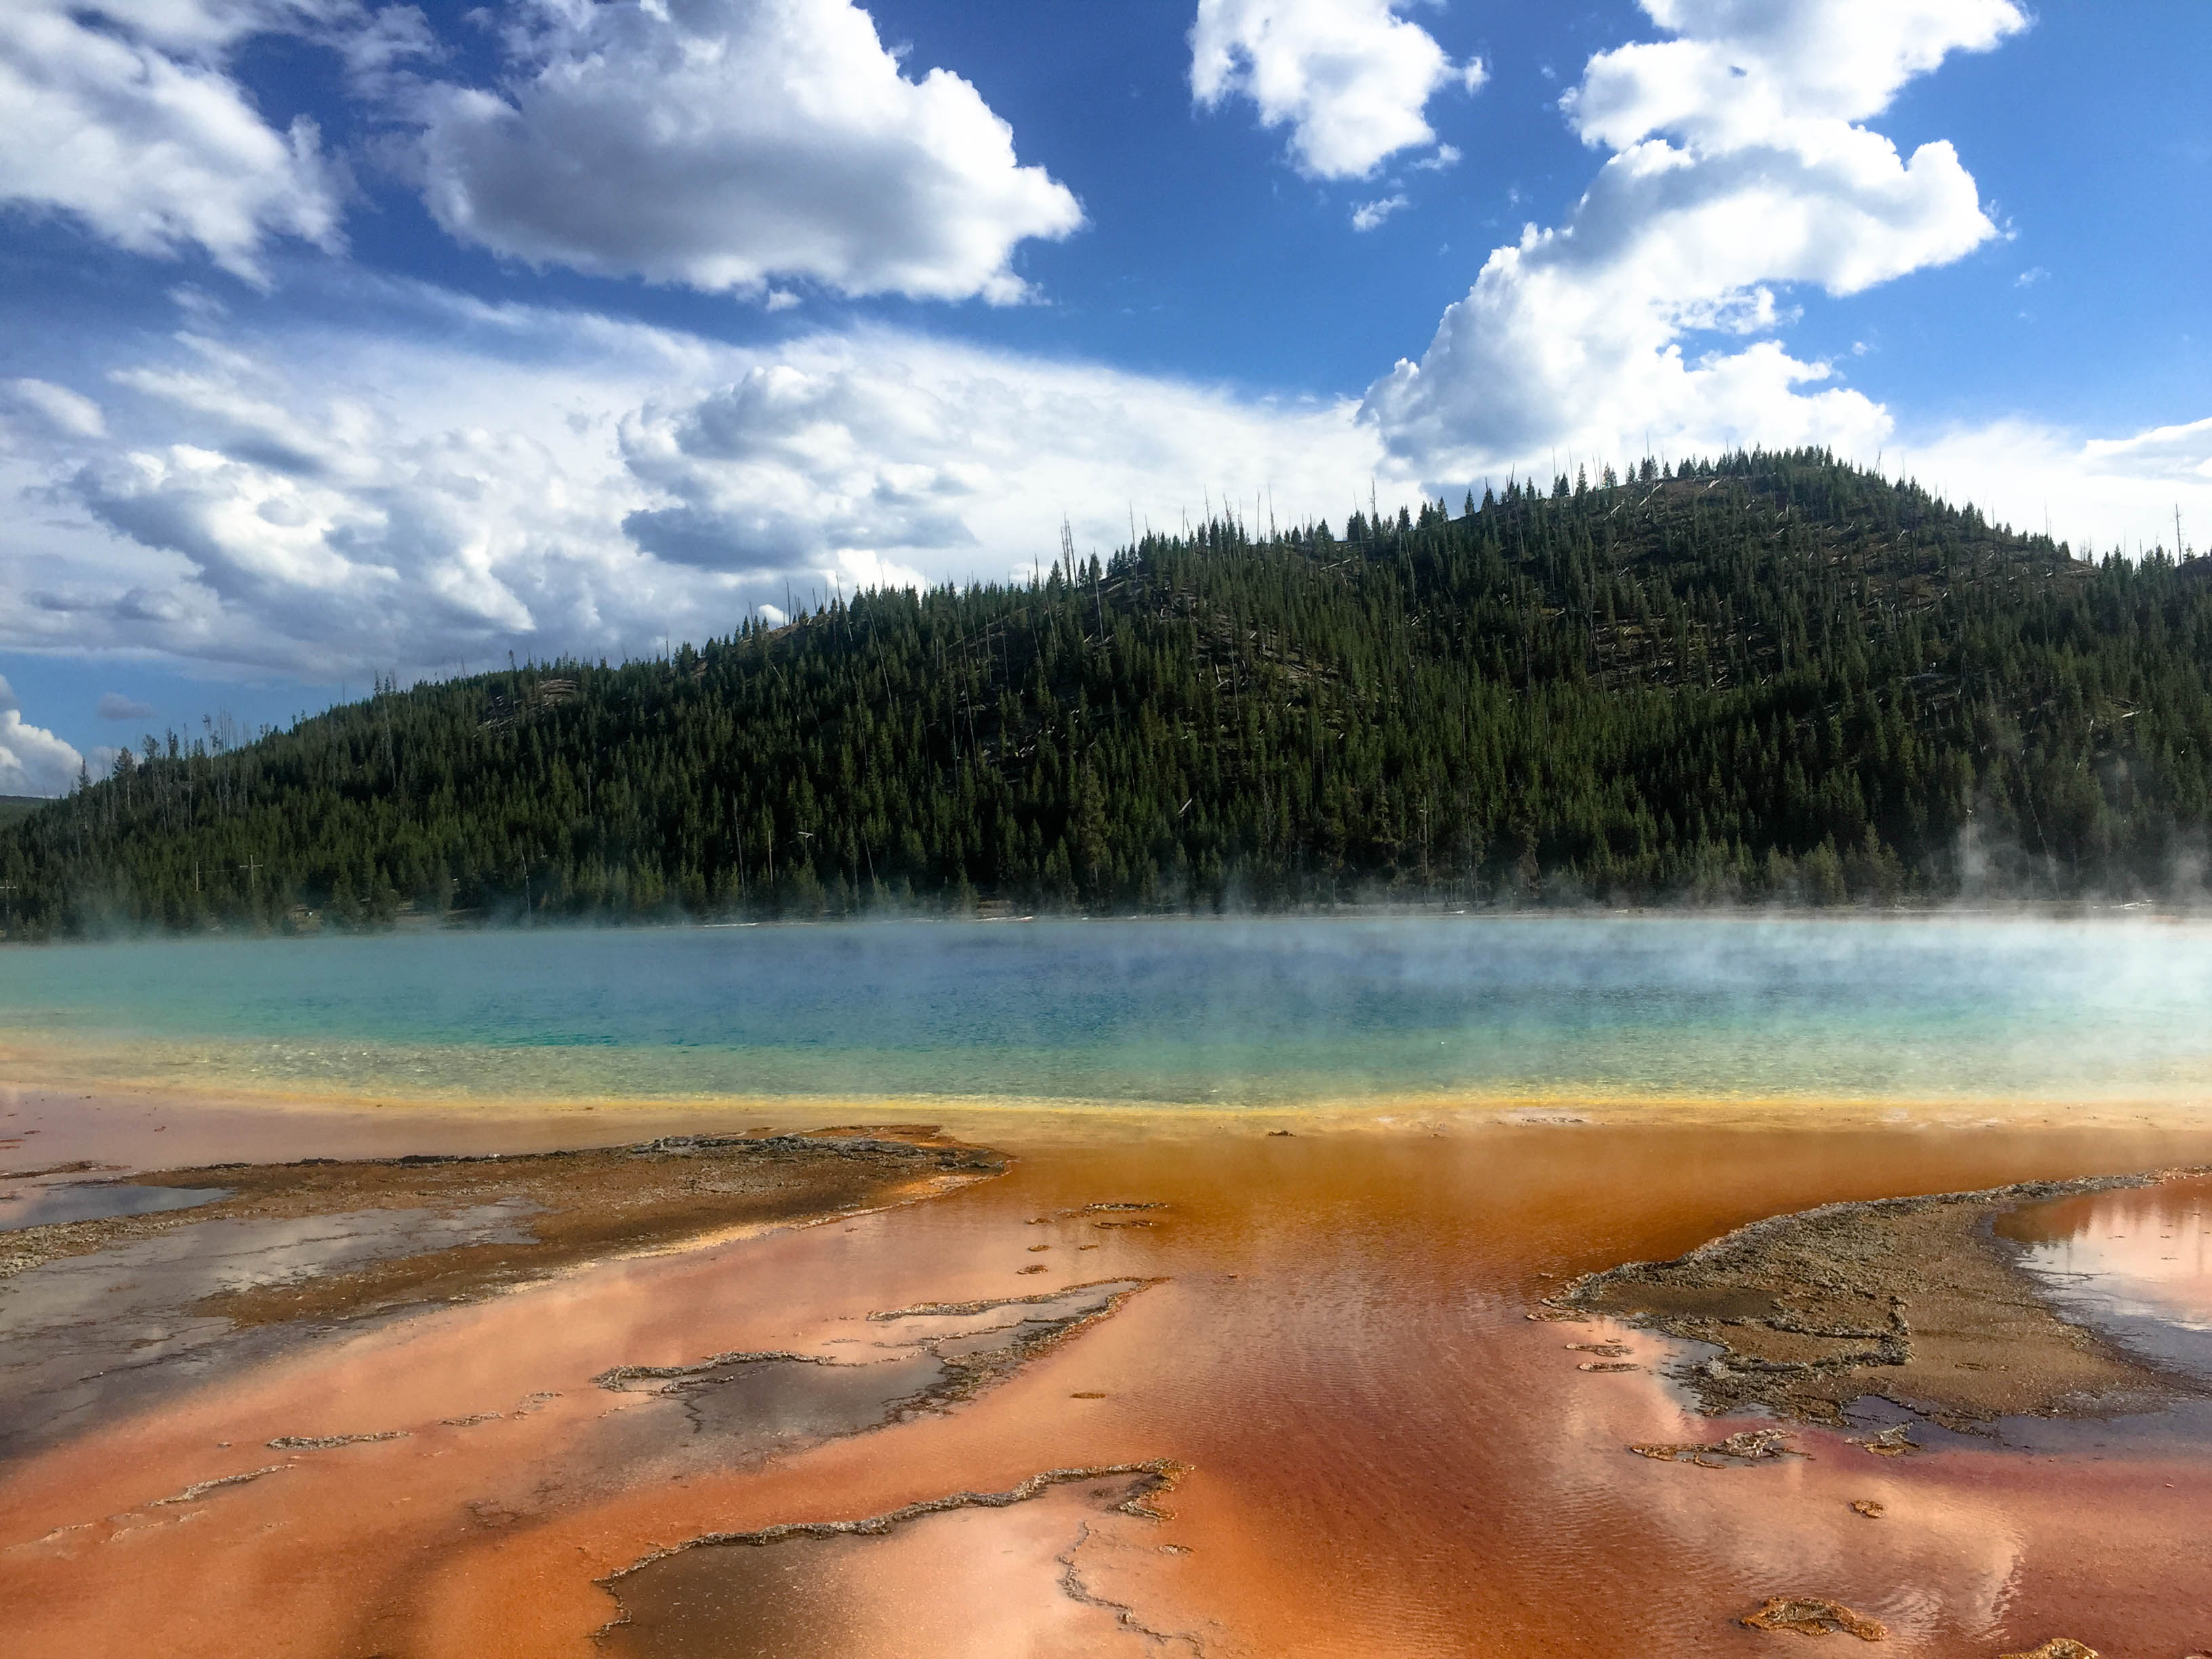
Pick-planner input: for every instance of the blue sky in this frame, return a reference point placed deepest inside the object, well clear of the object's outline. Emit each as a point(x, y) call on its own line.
point(339, 339)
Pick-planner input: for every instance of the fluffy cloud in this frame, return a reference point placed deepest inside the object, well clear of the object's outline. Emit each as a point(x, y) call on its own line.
point(850, 453)
point(2099, 494)
point(722, 143)
point(321, 503)
point(124, 115)
point(1738, 165)
point(450, 482)
point(32, 760)
point(719, 143)
point(1741, 71)
point(381, 508)
point(1350, 78)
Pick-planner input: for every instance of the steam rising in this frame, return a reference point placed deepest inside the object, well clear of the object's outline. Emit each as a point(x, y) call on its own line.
point(1445, 1011)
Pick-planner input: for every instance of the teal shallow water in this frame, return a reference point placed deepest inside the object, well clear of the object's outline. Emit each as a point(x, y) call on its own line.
point(1230, 1012)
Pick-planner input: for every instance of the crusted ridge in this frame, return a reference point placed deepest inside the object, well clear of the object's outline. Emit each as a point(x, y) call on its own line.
point(1160, 1475)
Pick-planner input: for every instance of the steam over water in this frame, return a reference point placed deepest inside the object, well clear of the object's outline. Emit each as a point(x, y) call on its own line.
point(1259, 1012)
point(1320, 1342)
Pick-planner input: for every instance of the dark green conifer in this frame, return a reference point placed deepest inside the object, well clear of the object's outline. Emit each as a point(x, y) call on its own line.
point(1762, 677)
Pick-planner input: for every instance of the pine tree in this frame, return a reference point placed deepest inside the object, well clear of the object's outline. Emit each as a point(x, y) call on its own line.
point(1760, 676)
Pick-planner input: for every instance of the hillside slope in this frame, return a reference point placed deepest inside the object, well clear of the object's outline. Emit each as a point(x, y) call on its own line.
point(1771, 676)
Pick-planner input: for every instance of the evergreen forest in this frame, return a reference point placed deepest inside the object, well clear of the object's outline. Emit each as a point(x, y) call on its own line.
point(1769, 678)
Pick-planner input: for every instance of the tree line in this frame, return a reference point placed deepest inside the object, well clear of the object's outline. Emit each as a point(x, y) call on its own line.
point(1764, 677)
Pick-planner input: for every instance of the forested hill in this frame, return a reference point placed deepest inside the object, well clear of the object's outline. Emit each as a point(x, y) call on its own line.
point(1767, 677)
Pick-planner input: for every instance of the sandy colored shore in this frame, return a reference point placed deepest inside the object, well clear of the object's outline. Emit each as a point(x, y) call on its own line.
point(1912, 1300)
point(48, 1118)
point(1166, 1386)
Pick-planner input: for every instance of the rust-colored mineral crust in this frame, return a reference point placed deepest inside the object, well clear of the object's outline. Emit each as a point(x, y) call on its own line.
point(1913, 1300)
point(1815, 1615)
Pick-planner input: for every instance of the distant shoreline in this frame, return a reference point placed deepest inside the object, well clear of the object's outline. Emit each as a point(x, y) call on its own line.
point(1987, 910)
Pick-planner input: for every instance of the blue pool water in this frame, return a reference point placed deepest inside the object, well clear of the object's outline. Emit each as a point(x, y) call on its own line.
point(1217, 1012)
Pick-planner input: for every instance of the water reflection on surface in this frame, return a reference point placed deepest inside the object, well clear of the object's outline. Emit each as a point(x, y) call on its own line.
point(33, 1205)
point(1387, 1456)
point(2135, 1263)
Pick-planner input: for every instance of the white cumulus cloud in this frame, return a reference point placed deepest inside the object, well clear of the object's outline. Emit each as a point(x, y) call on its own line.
point(124, 116)
point(441, 482)
point(383, 506)
point(33, 760)
point(1739, 165)
point(848, 452)
point(453, 482)
point(1741, 71)
point(724, 143)
point(1350, 78)
point(2101, 494)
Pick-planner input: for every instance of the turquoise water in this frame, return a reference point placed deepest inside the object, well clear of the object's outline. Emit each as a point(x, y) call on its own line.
point(1222, 1012)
